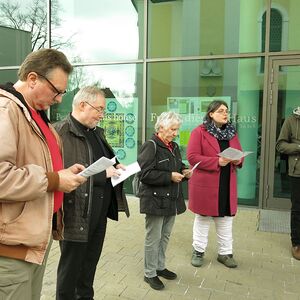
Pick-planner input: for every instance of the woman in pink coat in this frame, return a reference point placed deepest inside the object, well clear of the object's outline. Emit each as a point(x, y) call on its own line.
point(213, 186)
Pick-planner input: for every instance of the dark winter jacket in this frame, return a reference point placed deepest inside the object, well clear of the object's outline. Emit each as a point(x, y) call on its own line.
point(159, 195)
point(288, 143)
point(77, 204)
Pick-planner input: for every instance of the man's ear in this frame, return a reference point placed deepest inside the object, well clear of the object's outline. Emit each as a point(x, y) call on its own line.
point(81, 106)
point(32, 78)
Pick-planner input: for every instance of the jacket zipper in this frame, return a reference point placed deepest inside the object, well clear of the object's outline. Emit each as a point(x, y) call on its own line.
point(166, 159)
point(90, 183)
point(175, 168)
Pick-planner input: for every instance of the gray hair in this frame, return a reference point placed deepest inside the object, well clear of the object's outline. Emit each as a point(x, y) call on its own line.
point(167, 119)
point(88, 94)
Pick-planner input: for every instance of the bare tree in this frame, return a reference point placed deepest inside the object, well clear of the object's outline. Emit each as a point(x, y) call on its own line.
point(33, 18)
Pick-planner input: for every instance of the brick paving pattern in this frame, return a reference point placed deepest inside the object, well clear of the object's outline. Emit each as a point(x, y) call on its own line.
point(265, 269)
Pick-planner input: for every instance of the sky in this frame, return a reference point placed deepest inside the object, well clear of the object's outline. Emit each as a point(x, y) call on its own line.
point(103, 30)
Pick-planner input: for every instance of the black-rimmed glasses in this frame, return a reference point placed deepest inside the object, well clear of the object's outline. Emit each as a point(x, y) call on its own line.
point(100, 110)
point(58, 92)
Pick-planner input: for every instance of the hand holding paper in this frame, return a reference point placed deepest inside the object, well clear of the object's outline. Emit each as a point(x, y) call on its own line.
point(98, 166)
point(233, 154)
point(124, 174)
point(188, 174)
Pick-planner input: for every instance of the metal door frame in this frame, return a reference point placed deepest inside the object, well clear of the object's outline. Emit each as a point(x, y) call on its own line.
point(267, 172)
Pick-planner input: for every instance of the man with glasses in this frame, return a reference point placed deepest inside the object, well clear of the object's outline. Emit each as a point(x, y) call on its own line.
point(32, 178)
point(86, 210)
point(57, 92)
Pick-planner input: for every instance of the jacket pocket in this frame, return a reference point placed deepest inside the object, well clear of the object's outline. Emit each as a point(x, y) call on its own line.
point(11, 212)
point(161, 200)
point(163, 161)
point(23, 229)
point(294, 168)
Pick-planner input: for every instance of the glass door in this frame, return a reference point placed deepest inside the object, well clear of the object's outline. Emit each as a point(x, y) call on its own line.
point(284, 97)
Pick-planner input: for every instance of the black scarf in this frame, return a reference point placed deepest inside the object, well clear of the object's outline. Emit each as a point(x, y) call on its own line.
point(225, 133)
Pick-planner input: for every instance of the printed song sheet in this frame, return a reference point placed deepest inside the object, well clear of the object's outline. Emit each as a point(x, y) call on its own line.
point(98, 166)
point(234, 154)
point(130, 170)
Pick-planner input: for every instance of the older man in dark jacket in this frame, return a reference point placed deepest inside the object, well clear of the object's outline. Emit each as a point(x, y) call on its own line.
point(86, 210)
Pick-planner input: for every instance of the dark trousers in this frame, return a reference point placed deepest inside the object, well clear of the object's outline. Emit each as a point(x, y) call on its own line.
point(77, 265)
point(295, 211)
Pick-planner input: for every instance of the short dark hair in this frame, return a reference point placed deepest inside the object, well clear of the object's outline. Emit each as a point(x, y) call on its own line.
point(43, 61)
point(212, 107)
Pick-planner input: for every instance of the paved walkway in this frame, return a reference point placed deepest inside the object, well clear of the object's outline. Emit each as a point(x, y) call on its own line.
point(266, 269)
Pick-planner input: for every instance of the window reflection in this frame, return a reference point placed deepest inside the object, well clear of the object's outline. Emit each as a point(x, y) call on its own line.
point(23, 28)
point(122, 87)
point(184, 28)
point(102, 30)
point(189, 93)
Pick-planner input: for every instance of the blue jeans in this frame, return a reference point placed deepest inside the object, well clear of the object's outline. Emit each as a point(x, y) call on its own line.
point(295, 211)
point(158, 231)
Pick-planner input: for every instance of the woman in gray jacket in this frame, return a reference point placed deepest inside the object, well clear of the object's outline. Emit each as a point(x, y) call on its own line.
point(160, 194)
point(289, 143)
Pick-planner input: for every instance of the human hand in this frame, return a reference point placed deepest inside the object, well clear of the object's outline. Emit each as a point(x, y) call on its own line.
point(236, 162)
point(112, 172)
point(69, 180)
point(176, 177)
point(187, 173)
point(223, 161)
point(121, 166)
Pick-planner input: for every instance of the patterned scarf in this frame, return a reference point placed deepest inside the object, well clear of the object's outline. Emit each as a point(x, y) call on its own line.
point(226, 133)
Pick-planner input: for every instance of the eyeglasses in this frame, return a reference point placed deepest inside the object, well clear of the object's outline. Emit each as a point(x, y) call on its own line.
point(58, 92)
point(222, 111)
point(100, 110)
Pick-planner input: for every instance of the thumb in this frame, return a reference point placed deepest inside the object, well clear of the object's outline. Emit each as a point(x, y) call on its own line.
point(76, 168)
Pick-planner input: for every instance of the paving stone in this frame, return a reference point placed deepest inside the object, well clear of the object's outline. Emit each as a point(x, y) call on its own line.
point(265, 269)
point(161, 295)
point(134, 293)
point(198, 293)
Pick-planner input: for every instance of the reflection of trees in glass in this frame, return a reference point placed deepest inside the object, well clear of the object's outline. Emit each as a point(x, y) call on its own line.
point(32, 17)
point(80, 77)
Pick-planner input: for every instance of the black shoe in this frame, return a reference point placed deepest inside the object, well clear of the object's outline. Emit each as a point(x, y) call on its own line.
point(166, 274)
point(154, 282)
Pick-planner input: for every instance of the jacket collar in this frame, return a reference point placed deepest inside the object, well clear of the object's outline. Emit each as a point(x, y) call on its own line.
point(159, 142)
point(74, 128)
point(7, 90)
point(210, 139)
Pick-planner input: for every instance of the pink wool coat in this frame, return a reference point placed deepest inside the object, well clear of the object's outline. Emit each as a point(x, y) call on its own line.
point(204, 183)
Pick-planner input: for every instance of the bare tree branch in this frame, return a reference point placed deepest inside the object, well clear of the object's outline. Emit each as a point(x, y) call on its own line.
point(32, 18)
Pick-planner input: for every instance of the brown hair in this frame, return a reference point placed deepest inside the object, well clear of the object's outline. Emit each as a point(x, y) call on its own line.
point(212, 107)
point(43, 61)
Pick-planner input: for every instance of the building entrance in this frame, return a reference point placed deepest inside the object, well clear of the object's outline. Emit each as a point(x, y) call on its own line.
point(283, 98)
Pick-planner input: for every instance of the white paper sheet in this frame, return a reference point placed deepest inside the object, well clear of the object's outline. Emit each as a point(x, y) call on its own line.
point(234, 154)
point(98, 166)
point(130, 170)
point(194, 167)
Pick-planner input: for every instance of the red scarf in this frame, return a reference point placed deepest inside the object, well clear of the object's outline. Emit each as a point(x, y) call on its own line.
point(169, 145)
point(56, 157)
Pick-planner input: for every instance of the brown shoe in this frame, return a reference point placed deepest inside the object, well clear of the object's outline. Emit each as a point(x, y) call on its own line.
point(296, 252)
